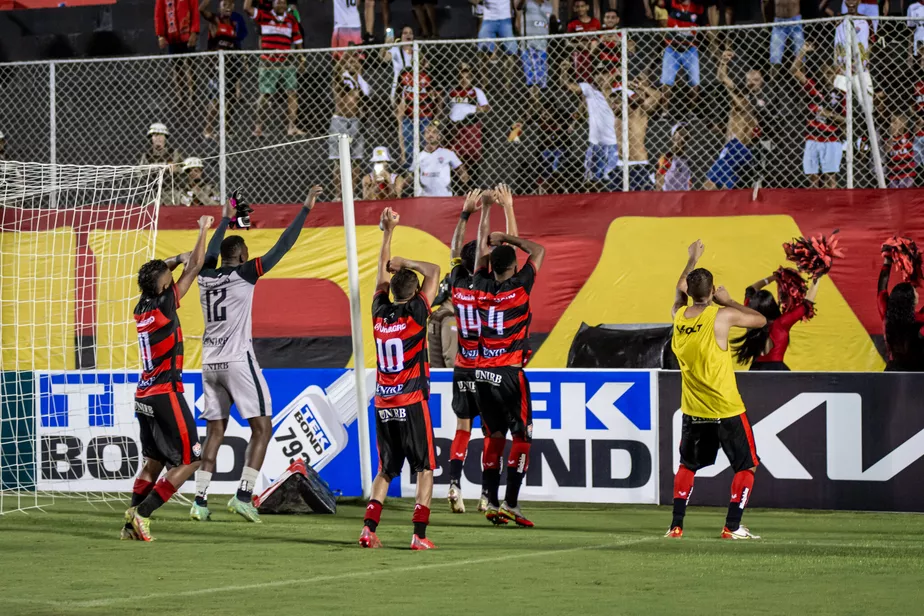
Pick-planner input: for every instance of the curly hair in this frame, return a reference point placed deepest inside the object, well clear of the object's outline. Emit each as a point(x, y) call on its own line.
point(468, 256)
point(751, 345)
point(231, 246)
point(148, 276)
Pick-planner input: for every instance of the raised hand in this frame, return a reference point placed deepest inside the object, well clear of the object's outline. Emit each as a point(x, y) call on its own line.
point(496, 239)
point(472, 201)
point(395, 265)
point(312, 197)
point(503, 195)
point(722, 297)
point(205, 222)
point(696, 250)
point(389, 219)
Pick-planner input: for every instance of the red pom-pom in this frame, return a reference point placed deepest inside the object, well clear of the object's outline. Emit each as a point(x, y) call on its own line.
point(904, 253)
point(791, 288)
point(814, 256)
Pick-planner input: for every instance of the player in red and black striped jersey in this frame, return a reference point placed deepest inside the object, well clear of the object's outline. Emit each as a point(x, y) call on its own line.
point(468, 325)
point(168, 429)
point(402, 384)
point(503, 391)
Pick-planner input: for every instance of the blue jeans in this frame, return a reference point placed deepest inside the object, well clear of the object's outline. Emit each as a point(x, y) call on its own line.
point(497, 28)
point(407, 131)
point(600, 161)
point(780, 34)
point(732, 161)
point(535, 66)
point(674, 60)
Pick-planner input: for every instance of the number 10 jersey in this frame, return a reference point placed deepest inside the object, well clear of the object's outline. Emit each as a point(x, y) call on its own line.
point(402, 366)
point(226, 295)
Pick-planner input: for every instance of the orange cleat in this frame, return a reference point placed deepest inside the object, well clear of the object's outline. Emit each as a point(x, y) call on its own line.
point(741, 533)
point(368, 539)
point(674, 533)
point(421, 544)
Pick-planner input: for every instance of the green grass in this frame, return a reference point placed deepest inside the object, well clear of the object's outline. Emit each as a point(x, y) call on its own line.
point(580, 559)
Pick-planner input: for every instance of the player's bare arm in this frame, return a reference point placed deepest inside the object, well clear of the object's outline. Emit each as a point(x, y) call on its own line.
point(504, 198)
point(738, 101)
point(695, 252)
point(388, 223)
point(196, 258)
point(214, 247)
point(535, 251)
point(175, 262)
point(288, 238)
point(429, 271)
point(483, 251)
point(472, 204)
point(737, 315)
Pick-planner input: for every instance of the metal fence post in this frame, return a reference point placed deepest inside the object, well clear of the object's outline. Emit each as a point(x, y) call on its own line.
point(849, 134)
point(624, 156)
point(52, 136)
point(222, 159)
point(416, 120)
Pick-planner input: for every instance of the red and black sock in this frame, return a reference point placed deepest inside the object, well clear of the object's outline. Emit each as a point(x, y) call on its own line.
point(373, 514)
point(742, 485)
point(683, 489)
point(490, 462)
point(457, 455)
point(517, 465)
point(421, 519)
point(161, 493)
point(140, 491)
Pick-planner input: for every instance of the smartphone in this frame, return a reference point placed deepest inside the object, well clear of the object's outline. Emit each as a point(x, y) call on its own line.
point(389, 33)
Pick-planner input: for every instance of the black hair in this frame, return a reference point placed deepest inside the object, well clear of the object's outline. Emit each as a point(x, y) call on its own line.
point(901, 327)
point(611, 10)
point(503, 258)
point(751, 345)
point(699, 284)
point(468, 256)
point(404, 285)
point(148, 276)
point(231, 246)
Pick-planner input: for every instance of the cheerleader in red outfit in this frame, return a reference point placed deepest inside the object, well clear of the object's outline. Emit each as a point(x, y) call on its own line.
point(765, 348)
point(902, 324)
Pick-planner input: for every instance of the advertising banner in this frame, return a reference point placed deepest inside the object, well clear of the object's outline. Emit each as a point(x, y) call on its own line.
point(826, 441)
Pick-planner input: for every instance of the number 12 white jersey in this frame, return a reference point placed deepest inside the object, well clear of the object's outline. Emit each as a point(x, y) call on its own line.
point(226, 295)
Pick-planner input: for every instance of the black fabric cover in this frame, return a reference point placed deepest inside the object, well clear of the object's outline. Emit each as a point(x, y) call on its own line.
point(622, 346)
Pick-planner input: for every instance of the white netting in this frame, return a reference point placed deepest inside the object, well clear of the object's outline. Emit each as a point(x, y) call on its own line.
point(71, 241)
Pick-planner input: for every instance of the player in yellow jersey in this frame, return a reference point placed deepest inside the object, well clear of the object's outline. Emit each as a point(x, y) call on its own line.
point(713, 413)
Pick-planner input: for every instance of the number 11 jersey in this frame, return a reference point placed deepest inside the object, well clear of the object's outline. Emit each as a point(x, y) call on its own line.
point(402, 366)
point(226, 294)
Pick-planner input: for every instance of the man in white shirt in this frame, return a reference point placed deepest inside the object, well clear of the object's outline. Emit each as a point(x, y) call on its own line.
point(602, 156)
point(401, 56)
point(347, 26)
point(436, 166)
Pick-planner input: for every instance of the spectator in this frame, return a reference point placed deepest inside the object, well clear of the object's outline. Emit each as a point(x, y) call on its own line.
point(917, 109)
point(902, 168)
point(196, 190)
point(425, 12)
point(674, 167)
point(660, 13)
point(609, 45)
point(348, 88)
point(827, 117)
point(581, 46)
point(786, 12)
point(867, 8)
point(348, 29)
point(158, 153)
point(536, 17)
point(176, 23)
point(467, 104)
point(369, 7)
point(642, 102)
point(436, 165)
point(400, 56)
point(478, 14)
point(404, 109)
point(227, 30)
point(841, 40)
point(602, 155)
point(382, 183)
point(497, 23)
point(743, 126)
point(279, 30)
point(550, 127)
point(442, 336)
point(680, 50)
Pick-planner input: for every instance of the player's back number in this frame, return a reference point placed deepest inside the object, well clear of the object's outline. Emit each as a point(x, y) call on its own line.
point(214, 311)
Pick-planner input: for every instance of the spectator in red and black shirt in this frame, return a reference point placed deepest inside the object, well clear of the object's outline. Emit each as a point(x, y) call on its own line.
point(902, 323)
point(279, 30)
point(680, 49)
point(176, 23)
point(582, 56)
point(503, 391)
point(902, 168)
point(402, 390)
point(608, 47)
point(227, 30)
point(168, 429)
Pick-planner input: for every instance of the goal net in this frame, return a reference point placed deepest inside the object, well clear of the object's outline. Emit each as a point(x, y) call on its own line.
point(71, 241)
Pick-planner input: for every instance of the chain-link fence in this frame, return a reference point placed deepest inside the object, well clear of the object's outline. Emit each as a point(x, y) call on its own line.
point(701, 109)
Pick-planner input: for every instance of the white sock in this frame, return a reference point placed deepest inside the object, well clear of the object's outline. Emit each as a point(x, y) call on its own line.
point(203, 479)
point(248, 479)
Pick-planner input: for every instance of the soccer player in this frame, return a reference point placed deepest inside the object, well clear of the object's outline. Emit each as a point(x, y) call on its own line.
point(713, 412)
point(230, 373)
point(402, 415)
point(468, 327)
point(168, 429)
point(502, 388)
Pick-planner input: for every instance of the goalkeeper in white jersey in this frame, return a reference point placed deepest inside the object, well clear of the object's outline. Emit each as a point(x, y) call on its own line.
point(230, 373)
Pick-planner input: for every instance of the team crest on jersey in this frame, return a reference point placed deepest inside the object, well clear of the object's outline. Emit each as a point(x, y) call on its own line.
point(197, 450)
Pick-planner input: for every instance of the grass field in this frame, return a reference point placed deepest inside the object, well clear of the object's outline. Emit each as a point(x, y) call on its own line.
point(580, 559)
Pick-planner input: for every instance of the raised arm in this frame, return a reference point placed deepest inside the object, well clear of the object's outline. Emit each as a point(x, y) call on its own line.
point(566, 80)
point(535, 251)
point(737, 314)
point(797, 69)
point(287, 240)
point(196, 258)
point(248, 7)
point(429, 271)
point(722, 75)
point(812, 291)
point(505, 199)
point(180, 259)
point(695, 251)
point(472, 204)
point(483, 251)
point(214, 249)
point(388, 223)
point(760, 284)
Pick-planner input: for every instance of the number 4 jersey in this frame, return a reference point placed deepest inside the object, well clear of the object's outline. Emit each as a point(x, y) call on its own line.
point(504, 313)
point(403, 368)
point(226, 294)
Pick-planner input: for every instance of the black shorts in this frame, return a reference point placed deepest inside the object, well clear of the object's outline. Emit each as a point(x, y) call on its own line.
point(700, 439)
point(404, 433)
point(422, 2)
point(504, 401)
point(168, 429)
point(464, 394)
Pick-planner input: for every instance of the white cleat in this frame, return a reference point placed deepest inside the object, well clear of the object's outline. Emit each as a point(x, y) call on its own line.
point(741, 533)
point(456, 504)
